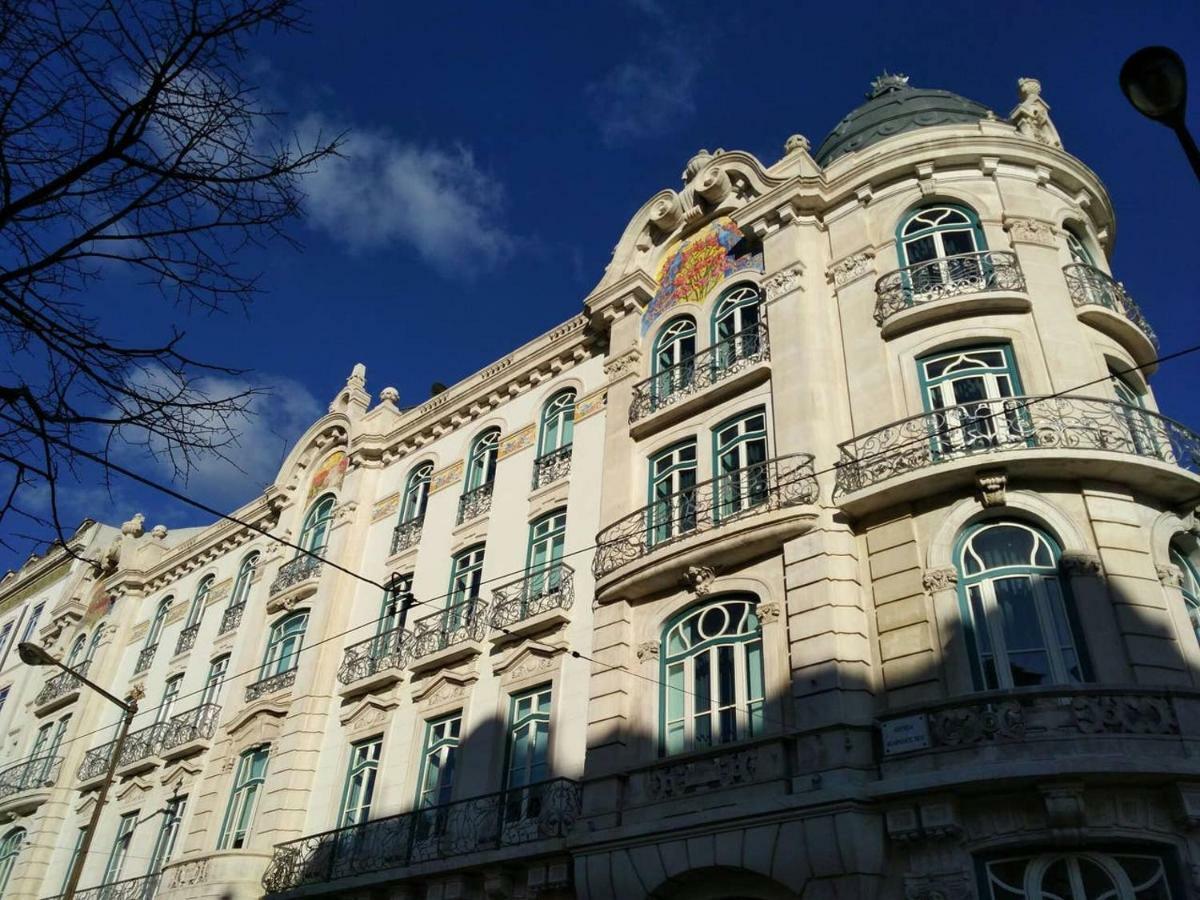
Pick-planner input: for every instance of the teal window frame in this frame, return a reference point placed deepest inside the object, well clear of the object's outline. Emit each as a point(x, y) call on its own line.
point(1189, 584)
point(416, 493)
point(77, 647)
point(389, 607)
point(171, 691)
point(435, 781)
point(93, 644)
point(314, 531)
point(544, 553)
point(937, 231)
point(481, 461)
point(4, 633)
point(215, 679)
point(31, 625)
point(671, 492)
point(241, 585)
point(196, 610)
point(119, 851)
point(10, 849)
point(527, 762)
point(466, 577)
point(1143, 435)
point(735, 319)
point(362, 773)
point(711, 675)
point(248, 781)
point(154, 632)
point(168, 833)
point(740, 439)
point(1077, 246)
point(557, 422)
point(284, 643)
point(1054, 615)
point(673, 361)
point(995, 420)
point(79, 833)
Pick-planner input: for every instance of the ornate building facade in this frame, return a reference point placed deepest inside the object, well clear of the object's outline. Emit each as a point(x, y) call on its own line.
point(837, 549)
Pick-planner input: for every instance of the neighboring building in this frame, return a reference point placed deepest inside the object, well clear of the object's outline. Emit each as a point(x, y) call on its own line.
point(836, 550)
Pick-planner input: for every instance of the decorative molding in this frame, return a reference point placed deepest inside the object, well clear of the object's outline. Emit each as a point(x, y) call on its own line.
point(648, 650)
point(452, 474)
point(993, 485)
point(1124, 714)
point(590, 405)
point(529, 665)
point(935, 580)
point(175, 613)
point(1169, 575)
point(699, 579)
point(783, 282)
point(714, 773)
point(1031, 231)
point(187, 873)
point(445, 687)
point(1080, 565)
point(851, 268)
point(517, 441)
point(1032, 115)
point(622, 366)
point(368, 714)
point(344, 512)
point(768, 611)
point(385, 508)
point(219, 592)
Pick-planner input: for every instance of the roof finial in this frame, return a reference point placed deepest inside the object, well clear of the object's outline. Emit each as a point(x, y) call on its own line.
point(886, 83)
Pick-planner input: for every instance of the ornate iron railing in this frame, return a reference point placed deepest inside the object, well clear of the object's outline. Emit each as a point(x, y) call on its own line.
point(231, 618)
point(193, 724)
point(275, 682)
point(144, 659)
point(388, 650)
point(944, 277)
point(41, 771)
point(772, 484)
point(463, 621)
point(1013, 424)
point(550, 588)
point(1088, 286)
point(187, 639)
point(550, 467)
point(198, 723)
point(62, 683)
point(143, 888)
point(724, 359)
point(300, 569)
point(474, 503)
point(509, 818)
point(406, 534)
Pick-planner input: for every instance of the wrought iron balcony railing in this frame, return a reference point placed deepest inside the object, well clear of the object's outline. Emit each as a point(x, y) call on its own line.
point(143, 888)
point(550, 588)
point(193, 724)
point(772, 484)
point(407, 534)
point(231, 618)
point(276, 682)
point(725, 359)
point(463, 621)
point(945, 277)
point(187, 638)
point(1013, 424)
point(62, 683)
point(388, 650)
point(302, 568)
point(510, 818)
point(198, 723)
point(474, 503)
point(41, 771)
point(144, 659)
point(1088, 286)
point(550, 467)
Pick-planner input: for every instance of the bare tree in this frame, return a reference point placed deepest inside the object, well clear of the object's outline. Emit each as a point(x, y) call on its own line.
point(130, 136)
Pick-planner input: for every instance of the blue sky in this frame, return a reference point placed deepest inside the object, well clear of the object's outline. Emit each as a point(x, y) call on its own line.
point(497, 151)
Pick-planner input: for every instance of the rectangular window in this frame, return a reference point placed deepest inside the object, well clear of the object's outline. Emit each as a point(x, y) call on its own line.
point(465, 579)
point(4, 633)
point(168, 831)
point(31, 625)
point(742, 480)
point(528, 755)
point(544, 558)
point(247, 783)
point(672, 510)
point(170, 695)
point(74, 856)
point(215, 679)
point(120, 848)
point(359, 791)
point(436, 785)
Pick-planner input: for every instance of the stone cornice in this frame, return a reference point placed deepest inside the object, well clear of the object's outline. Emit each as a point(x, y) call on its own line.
point(613, 301)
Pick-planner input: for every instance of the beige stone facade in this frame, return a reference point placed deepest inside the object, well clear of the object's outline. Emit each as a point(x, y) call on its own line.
point(837, 549)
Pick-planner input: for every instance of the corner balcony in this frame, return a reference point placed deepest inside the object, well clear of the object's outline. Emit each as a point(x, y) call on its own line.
point(375, 663)
point(449, 635)
point(734, 517)
point(60, 690)
point(474, 503)
point(537, 602)
point(183, 734)
point(1050, 437)
point(724, 370)
point(296, 579)
point(507, 826)
point(406, 534)
point(1103, 303)
point(27, 785)
point(551, 467)
point(950, 287)
point(269, 685)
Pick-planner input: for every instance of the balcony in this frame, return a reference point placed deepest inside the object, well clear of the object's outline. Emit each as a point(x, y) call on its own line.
point(144, 659)
point(948, 287)
point(26, 786)
point(540, 813)
point(231, 618)
point(551, 467)
point(187, 639)
point(180, 735)
point(535, 602)
point(742, 512)
point(731, 365)
point(450, 634)
point(1043, 433)
point(143, 888)
point(188, 732)
point(1103, 303)
point(406, 534)
point(474, 503)
point(269, 685)
point(60, 690)
point(375, 662)
point(300, 573)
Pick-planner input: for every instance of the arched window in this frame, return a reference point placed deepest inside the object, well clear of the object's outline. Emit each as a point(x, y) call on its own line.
point(94, 644)
point(10, 848)
point(245, 575)
point(735, 332)
point(674, 358)
point(1020, 623)
point(1077, 246)
point(481, 463)
point(416, 493)
point(1142, 431)
point(1078, 876)
point(196, 610)
point(937, 244)
point(247, 783)
point(284, 644)
point(969, 392)
point(314, 533)
point(1189, 584)
point(713, 667)
point(156, 625)
point(76, 656)
point(558, 422)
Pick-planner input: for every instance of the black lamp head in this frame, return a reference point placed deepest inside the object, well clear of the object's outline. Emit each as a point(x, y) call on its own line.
point(1155, 82)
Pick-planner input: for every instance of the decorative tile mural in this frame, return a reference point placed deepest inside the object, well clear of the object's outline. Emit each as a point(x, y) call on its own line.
point(590, 405)
point(329, 476)
point(517, 441)
point(694, 266)
point(446, 477)
point(385, 507)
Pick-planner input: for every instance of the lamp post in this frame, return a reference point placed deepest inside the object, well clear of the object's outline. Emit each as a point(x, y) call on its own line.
point(1154, 80)
point(33, 655)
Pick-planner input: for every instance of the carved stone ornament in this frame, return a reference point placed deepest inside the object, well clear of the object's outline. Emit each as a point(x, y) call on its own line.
point(992, 484)
point(852, 268)
point(797, 143)
point(702, 775)
point(783, 282)
point(134, 527)
point(699, 579)
point(1081, 564)
point(768, 611)
point(1032, 114)
point(188, 874)
point(1064, 805)
point(1170, 575)
point(648, 650)
point(939, 579)
point(622, 365)
point(1032, 231)
point(1124, 714)
point(939, 886)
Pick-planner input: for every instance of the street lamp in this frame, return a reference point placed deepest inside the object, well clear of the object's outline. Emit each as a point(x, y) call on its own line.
point(33, 655)
point(1155, 81)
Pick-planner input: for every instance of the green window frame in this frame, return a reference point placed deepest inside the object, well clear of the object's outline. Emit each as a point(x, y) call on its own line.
point(527, 753)
point(120, 847)
point(740, 462)
point(970, 394)
point(390, 606)
point(557, 423)
point(168, 832)
point(435, 784)
point(314, 532)
point(673, 365)
point(215, 679)
point(79, 833)
point(93, 644)
point(543, 557)
point(245, 575)
point(154, 633)
point(32, 624)
point(938, 231)
point(247, 784)
point(77, 650)
point(466, 577)
point(196, 610)
point(1018, 614)
point(284, 643)
point(1189, 584)
point(416, 493)
point(735, 321)
point(10, 849)
point(712, 681)
point(481, 461)
point(1077, 246)
point(671, 507)
point(170, 695)
point(361, 773)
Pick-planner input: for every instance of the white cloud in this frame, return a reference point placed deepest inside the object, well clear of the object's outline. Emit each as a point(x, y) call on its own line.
point(639, 100)
point(384, 190)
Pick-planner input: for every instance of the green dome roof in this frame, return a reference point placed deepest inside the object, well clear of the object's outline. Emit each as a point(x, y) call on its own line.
point(894, 107)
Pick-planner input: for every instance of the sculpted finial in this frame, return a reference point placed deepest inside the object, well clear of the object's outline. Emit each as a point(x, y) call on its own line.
point(885, 84)
point(1032, 114)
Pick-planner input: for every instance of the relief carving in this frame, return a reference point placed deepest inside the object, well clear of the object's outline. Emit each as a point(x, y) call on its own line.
point(992, 484)
point(783, 282)
point(768, 611)
point(1170, 575)
point(1032, 231)
point(1080, 564)
point(718, 772)
point(1127, 714)
point(939, 579)
point(622, 365)
point(851, 268)
point(968, 725)
point(699, 579)
point(648, 650)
